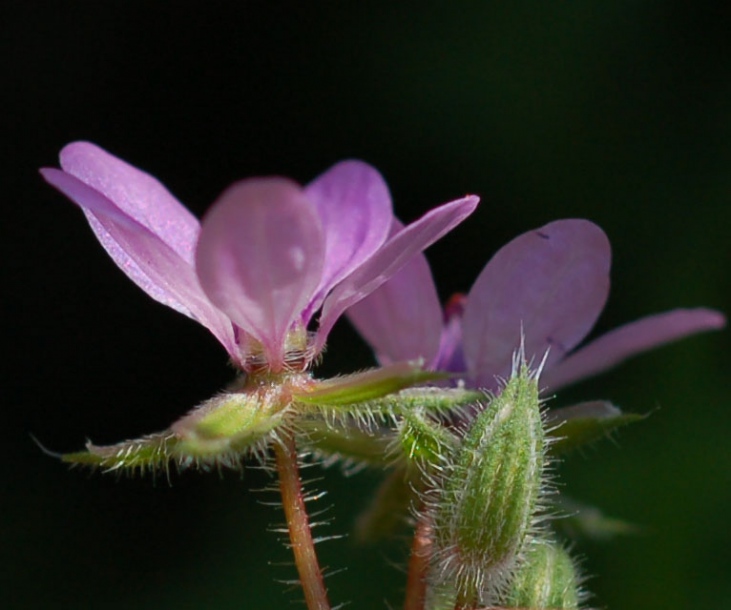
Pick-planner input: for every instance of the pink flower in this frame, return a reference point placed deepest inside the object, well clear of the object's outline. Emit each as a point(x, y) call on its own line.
point(268, 255)
point(551, 284)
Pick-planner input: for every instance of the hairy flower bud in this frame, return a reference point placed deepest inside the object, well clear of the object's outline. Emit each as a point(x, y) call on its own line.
point(490, 492)
point(546, 578)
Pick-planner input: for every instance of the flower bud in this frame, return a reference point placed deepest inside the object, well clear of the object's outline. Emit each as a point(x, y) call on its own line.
point(490, 491)
point(546, 578)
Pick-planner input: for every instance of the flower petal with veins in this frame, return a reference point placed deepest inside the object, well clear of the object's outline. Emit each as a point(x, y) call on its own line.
point(549, 285)
point(355, 209)
point(146, 259)
point(394, 254)
point(135, 193)
point(402, 318)
point(260, 257)
point(615, 346)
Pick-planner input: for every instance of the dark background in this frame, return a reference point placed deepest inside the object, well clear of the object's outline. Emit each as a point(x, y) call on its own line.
point(619, 112)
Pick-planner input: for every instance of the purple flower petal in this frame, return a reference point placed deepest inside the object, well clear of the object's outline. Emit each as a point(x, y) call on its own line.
point(394, 254)
point(146, 259)
point(451, 351)
point(260, 258)
point(550, 284)
point(137, 194)
point(355, 209)
point(402, 319)
point(628, 340)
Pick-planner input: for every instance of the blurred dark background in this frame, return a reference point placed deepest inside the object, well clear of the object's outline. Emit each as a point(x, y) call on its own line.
point(619, 112)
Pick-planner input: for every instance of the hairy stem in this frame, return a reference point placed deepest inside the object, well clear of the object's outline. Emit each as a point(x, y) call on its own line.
point(419, 565)
point(298, 523)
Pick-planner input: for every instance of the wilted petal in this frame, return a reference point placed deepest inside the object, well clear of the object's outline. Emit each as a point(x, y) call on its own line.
point(355, 210)
point(394, 254)
point(628, 340)
point(135, 193)
point(550, 284)
point(402, 319)
point(260, 257)
point(146, 259)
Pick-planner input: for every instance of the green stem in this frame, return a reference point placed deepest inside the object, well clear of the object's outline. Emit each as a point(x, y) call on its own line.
point(298, 523)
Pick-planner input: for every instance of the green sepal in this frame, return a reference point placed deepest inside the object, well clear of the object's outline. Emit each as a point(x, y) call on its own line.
point(441, 595)
point(424, 440)
point(388, 509)
point(546, 578)
point(588, 522)
point(226, 424)
point(441, 402)
point(220, 431)
point(366, 386)
point(150, 453)
point(351, 443)
point(586, 422)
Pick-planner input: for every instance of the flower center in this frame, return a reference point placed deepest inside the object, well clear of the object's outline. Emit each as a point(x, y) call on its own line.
point(299, 352)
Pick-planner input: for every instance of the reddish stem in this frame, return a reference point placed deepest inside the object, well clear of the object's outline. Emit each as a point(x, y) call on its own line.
point(298, 523)
point(419, 565)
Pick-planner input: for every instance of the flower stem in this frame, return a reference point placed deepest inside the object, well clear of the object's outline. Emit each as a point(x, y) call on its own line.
point(300, 534)
point(418, 565)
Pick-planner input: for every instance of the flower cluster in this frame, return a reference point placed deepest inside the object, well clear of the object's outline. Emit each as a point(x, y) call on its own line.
point(271, 268)
point(268, 255)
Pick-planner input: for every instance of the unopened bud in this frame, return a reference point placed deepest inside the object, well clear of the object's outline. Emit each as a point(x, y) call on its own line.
point(491, 491)
point(546, 578)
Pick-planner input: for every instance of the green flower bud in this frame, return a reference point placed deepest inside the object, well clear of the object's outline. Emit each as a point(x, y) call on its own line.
point(546, 578)
point(490, 491)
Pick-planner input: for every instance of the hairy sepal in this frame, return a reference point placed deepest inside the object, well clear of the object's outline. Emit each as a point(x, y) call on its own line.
point(220, 432)
point(442, 403)
point(229, 423)
point(423, 441)
point(388, 431)
point(147, 454)
point(441, 595)
point(584, 423)
point(347, 442)
point(546, 577)
point(366, 386)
